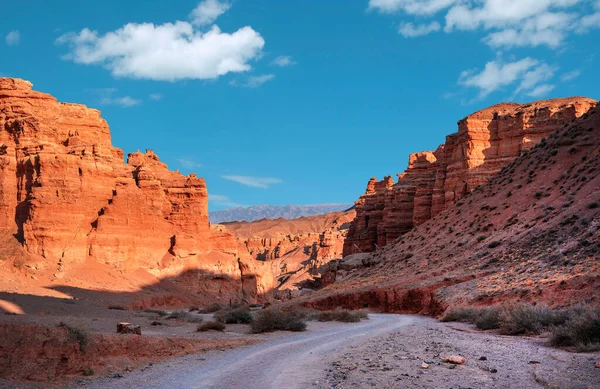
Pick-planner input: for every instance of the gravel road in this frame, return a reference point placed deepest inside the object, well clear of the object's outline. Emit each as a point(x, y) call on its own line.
point(289, 362)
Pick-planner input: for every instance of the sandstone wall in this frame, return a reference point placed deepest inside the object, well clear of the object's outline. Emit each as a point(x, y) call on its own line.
point(68, 196)
point(486, 141)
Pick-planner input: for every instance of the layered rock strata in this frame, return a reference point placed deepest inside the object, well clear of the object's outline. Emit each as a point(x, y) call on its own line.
point(68, 196)
point(486, 141)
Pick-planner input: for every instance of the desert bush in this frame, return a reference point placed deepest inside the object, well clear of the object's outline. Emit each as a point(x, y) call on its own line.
point(88, 372)
point(77, 333)
point(213, 308)
point(342, 315)
point(488, 318)
point(517, 319)
point(581, 330)
point(270, 320)
point(481, 238)
point(116, 307)
point(235, 316)
point(187, 316)
point(211, 325)
point(158, 312)
point(494, 244)
point(460, 314)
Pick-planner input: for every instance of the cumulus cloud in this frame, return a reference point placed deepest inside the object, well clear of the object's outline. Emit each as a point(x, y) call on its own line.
point(252, 81)
point(528, 73)
point(222, 200)
point(208, 11)
point(409, 30)
point(283, 61)
point(13, 38)
point(155, 96)
point(165, 52)
point(254, 182)
point(507, 23)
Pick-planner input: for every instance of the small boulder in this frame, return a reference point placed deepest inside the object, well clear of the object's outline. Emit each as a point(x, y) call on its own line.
point(425, 365)
point(597, 365)
point(128, 328)
point(455, 359)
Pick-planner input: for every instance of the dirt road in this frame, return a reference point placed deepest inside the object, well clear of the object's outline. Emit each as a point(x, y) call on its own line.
point(294, 361)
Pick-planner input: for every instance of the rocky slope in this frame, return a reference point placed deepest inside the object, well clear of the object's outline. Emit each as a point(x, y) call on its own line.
point(289, 255)
point(258, 212)
point(69, 200)
point(531, 233)
point(486, 142)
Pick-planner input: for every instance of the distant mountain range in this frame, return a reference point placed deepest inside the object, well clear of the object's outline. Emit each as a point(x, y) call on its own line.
point(258, 212)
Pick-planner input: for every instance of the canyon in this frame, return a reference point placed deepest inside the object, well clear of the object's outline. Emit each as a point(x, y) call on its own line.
point(486, 142)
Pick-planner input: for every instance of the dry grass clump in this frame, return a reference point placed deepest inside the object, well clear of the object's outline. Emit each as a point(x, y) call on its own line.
point(270, 320)
point(234, 316)
point(213, 308)
point(581, 330)
point(187, 316)
point(212, 325)
point(342, 315)
point(577, 327)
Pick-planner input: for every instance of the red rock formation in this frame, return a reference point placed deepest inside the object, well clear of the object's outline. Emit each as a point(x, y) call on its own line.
point(68, 196)
point(486, 142)
point(281, 254)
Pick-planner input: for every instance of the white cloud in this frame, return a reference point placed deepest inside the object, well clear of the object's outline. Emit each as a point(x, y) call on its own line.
point(13, 38)
point(106, 96)
point(208, 11)
point(253, 81)
point(409, 30)
point(541, 90)
point(254, 182)
point(415, 7)
point(535, 77)
point(155, 96)
point(189, 163)
point(283, 61)
point(573, 74)
point(222, 200)
point(506, 23)
point(166, 52)
point(497, 75)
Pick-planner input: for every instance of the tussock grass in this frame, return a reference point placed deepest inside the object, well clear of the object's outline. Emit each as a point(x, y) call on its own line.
point(187, 316)
point(234, 316)
point(211, 325)
point(270, 320)
point(577, 327)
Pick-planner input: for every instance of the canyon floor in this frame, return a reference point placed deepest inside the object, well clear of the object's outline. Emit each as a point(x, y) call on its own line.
point(387, 351)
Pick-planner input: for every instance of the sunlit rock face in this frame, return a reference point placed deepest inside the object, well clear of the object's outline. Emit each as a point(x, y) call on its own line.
point(486, 141)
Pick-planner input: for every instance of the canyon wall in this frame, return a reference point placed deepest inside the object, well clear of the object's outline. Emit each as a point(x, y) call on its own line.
point(486, 141)
point(287, 255)
point(68, 196)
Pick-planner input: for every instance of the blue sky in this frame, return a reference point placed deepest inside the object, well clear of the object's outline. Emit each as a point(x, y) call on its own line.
point(297, 102)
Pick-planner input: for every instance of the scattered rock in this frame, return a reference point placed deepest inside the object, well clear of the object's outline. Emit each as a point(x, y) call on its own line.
point(128, 328)
point(483, 358)
point(455, 359)
point(425, 365)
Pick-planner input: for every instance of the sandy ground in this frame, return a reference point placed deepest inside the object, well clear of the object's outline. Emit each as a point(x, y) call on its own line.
point(396, 361)
point(284, 360)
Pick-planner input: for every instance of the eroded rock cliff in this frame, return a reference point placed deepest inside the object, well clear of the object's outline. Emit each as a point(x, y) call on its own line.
point(486, 141)
point(68, 196)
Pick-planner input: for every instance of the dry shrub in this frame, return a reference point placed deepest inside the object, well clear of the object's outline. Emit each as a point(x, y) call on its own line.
point(234, 316)
point(187, 316)
point(270, 320)
point(342, 315)
point(211, 325)
point(581, 330)
point(77, 333)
